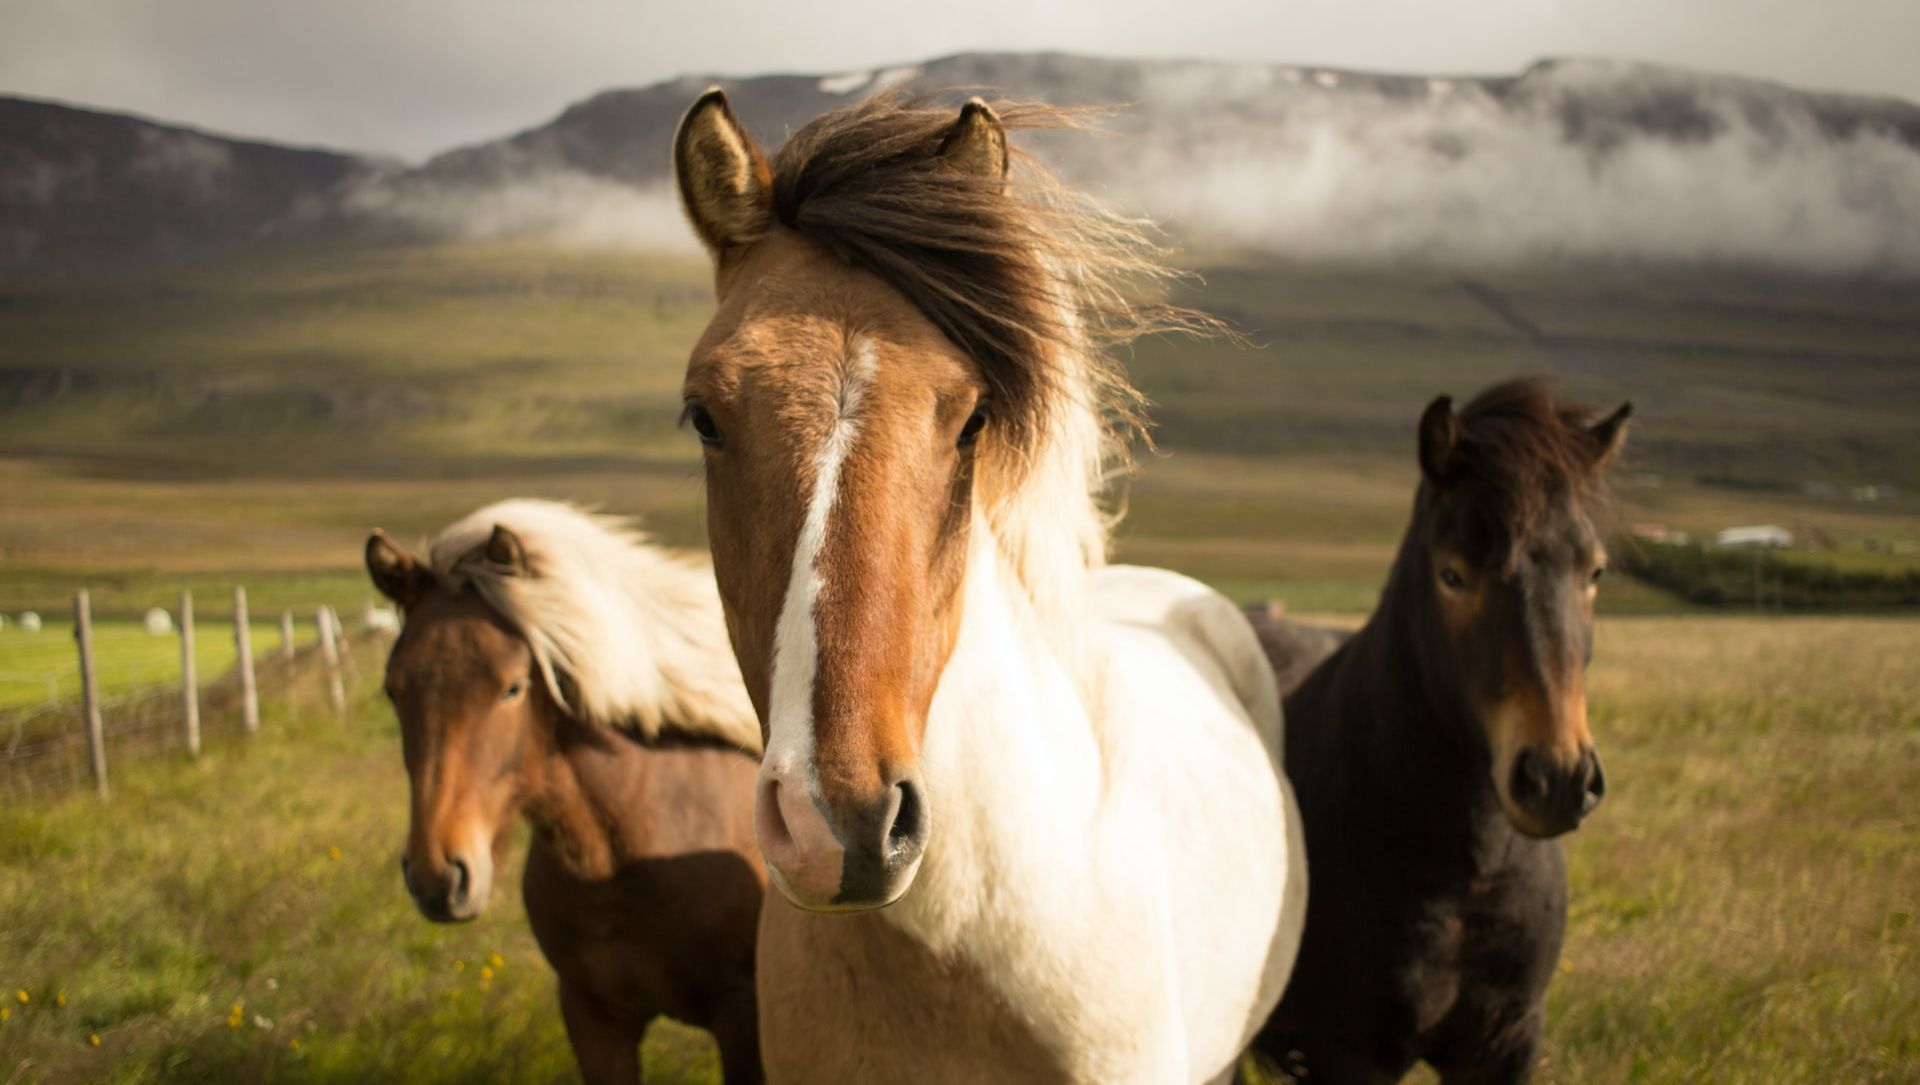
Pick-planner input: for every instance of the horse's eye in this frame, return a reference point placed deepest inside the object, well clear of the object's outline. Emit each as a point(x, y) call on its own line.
point(1453, 580)
point(702, 422)
point(514, 689)
point(976, 422)
point(1598, 572)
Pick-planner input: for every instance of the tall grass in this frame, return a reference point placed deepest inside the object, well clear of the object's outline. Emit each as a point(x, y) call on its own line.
point(1743, 904)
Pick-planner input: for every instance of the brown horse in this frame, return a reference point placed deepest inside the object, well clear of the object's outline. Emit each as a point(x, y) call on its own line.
point(554, 666)
point(1439, 752)
point(1023, 809)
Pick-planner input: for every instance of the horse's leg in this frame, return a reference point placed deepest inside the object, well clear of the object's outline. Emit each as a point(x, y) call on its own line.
point(607, 1050)
point(736, 1031)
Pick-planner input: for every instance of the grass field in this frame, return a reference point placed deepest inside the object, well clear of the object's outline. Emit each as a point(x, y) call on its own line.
point(251, 419)
point(1743, 905)
point(37, 668)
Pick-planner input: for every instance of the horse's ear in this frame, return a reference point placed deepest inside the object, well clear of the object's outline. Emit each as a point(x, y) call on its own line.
point(1439, 440)
point(977, 142)
point(398, 575)
point(1609, 434)
point(505, 552)
point(725, 183)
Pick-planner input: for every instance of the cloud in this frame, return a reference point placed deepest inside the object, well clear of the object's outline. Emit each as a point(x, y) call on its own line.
point(566, 208)
point(1579, 161)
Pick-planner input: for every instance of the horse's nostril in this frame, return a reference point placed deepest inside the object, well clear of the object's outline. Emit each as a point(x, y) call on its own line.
point(463, 878)
point(906, 815)
point(1528, 783)
point(1596, 788)
point(906, 828)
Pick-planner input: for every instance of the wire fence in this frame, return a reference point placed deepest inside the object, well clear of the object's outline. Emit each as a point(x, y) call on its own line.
point(44, 748)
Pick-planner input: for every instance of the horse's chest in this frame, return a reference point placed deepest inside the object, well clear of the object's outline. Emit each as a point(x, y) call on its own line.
point(852, 998)
point(642, 942)
point(1481, 955)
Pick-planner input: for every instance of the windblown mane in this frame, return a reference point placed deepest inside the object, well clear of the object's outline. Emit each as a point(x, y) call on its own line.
point(1034, 281)
point(1528, 449)
point(624, 634)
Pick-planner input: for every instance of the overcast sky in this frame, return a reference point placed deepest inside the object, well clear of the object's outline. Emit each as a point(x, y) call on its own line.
point(411, 77)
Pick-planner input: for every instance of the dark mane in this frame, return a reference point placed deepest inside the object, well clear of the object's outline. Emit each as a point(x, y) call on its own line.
point(1527, 449)
point(1031, 279)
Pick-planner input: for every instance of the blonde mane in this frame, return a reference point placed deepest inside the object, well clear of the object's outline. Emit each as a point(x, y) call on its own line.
point(624, 634)
point(1035, 281)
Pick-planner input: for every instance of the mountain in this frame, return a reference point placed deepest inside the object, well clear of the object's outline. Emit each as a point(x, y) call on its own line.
point(84, 189)
point(1572, 160)
point(1585, 160)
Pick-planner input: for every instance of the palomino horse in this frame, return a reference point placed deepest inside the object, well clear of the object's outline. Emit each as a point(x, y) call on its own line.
point(554, 665)
point(1025, 812)
point(1439, 752)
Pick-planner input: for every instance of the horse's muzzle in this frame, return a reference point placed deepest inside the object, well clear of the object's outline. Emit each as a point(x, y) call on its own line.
point(826, 859)
point(453, 890)
point(1547, 798)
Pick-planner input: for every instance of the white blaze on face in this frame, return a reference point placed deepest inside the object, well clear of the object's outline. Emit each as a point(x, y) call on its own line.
point(795, 643)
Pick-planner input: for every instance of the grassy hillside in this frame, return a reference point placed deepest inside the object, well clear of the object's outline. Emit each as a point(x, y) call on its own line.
point(1743, 904)
point(253, 418)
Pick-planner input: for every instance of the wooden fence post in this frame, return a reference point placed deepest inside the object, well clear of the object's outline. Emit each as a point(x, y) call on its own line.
point(330, 651)
point(339, 629)
point(90, 690)
point(286, 634)
point(243, 643)
point(189, 680)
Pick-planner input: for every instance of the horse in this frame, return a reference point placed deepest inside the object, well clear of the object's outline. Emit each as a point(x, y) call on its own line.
point(1441, 751)
point(554, 665)
point(1024, 810)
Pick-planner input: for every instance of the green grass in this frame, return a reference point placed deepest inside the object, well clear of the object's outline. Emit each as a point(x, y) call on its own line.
point(37, 668)
point(263, 877)
point(1743, 905)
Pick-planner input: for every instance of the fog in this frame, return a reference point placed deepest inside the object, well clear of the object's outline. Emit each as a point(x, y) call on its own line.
point(1455, 175)
point(1572, 161)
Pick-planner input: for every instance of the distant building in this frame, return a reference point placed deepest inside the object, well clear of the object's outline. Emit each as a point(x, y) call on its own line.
point(1872, 493)
point(1770, 536)
point(1659, 533)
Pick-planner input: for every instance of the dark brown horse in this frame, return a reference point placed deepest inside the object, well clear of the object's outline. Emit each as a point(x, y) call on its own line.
point(1439, 752)
point(553, 666)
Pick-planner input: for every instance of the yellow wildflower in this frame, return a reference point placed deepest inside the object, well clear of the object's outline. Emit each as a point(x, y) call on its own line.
point(21, 994)
point(294, 1043)
point(5, 1012)
point(1566, 966)
point(486, 972)
point(93, 1038)
point(60, 999)
point(333, 851)
point(459, 966)
point(496, 960)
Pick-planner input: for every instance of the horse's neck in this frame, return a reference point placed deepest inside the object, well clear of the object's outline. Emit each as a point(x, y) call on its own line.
point(1389, 747)
point(582, 790)
point(1013, 757)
